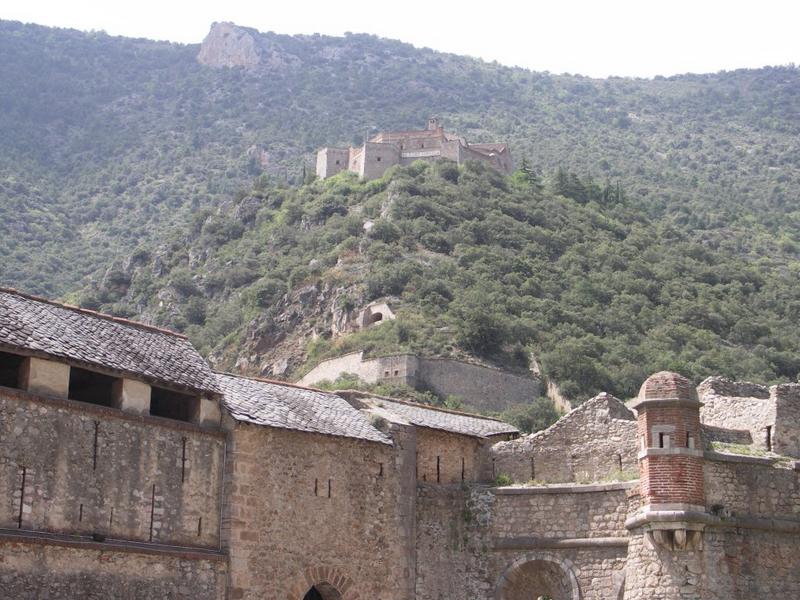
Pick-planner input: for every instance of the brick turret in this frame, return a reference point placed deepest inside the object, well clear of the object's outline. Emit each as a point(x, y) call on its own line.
point(670, 460)
point(670, 454)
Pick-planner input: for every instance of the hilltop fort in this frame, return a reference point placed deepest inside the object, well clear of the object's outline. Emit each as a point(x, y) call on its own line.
point(389, 148)
point(129, 469)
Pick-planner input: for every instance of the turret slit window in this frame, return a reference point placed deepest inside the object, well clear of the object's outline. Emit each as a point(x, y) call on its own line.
point(689, 441)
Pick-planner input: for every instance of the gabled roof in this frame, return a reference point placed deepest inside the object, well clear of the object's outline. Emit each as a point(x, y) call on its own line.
point(432, 417)
point(287, 406)
point(40, 327)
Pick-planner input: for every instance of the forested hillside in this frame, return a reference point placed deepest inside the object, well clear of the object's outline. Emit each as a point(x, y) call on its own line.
point(479, 265)
point(139, 181)
point(108, 141)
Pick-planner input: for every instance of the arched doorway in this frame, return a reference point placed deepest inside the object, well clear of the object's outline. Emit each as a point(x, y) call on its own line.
point(322, 591)
point(538, 578)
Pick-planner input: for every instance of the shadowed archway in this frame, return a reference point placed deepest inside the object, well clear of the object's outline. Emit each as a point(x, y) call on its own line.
point(322, 583)
point(322, 591)
point(538, 576)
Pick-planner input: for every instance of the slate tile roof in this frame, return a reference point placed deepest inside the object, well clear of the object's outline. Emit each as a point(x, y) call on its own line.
point(42, 327)
point(289, 406)
point(439, 418)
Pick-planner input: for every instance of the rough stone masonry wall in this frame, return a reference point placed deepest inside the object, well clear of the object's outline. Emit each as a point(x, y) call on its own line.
point(744, 556)
point(32, 571)
point(787, 419)
point(734, 405)
point(536, 525)
point(329, 370)
point(734, 564)
point(481, 388)
point(306, 507)
point(741, 486)
point(444, 457)
point(69, 467)
point(475, 542)
point(594, 441)
point(453, 542)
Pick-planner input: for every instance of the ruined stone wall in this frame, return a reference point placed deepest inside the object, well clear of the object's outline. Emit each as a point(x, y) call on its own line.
point(71, 467)
point(444, 457)
point(596, 440)
point(786, 438)
point(730, 406)
point(307, 507)
point(31, 570)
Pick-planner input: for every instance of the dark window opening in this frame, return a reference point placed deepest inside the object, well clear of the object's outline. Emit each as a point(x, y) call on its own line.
point(438, 469)
point(173, 405)
point(769, 438)
point(337, 162)
point(10, 365)
point(386, 373)
point(463, 469)
point(378, 159)
point(396, 372)
point(422, 145)
point(661, 439)
point(91, 387)
point(376, 317)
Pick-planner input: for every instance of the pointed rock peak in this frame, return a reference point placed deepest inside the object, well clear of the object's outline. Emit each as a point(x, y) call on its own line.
point(229, 45)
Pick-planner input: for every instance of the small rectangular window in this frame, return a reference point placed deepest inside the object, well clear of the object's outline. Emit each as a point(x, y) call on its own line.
point(173, 405)
point(378, 159)
point(9, 369)
point(661, 436)
point(91, 387)
point(769, 438)
point(396, 373)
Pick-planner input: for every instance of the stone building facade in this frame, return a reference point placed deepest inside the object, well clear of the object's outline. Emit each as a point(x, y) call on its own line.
point(128, 469)
point(389, 148)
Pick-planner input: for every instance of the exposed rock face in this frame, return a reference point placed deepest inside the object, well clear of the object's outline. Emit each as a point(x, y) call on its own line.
point(228, 45)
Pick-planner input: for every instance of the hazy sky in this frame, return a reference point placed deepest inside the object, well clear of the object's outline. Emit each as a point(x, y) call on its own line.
point(597, 38)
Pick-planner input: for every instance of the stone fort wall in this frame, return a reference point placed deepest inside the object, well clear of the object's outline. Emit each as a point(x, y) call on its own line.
point(31, 571)
point(481, 388)
point(521, 542)
point(305, 507)
point(71, 467)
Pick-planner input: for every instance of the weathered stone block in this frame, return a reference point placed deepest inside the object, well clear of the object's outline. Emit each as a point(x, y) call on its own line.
point(44, 377)
point(131, 396)
point(208, 413)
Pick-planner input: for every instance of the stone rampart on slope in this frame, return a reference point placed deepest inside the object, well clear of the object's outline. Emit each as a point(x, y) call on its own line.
point(481, 388)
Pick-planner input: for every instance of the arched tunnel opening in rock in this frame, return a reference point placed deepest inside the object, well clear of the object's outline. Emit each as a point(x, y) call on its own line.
point(537, 580)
